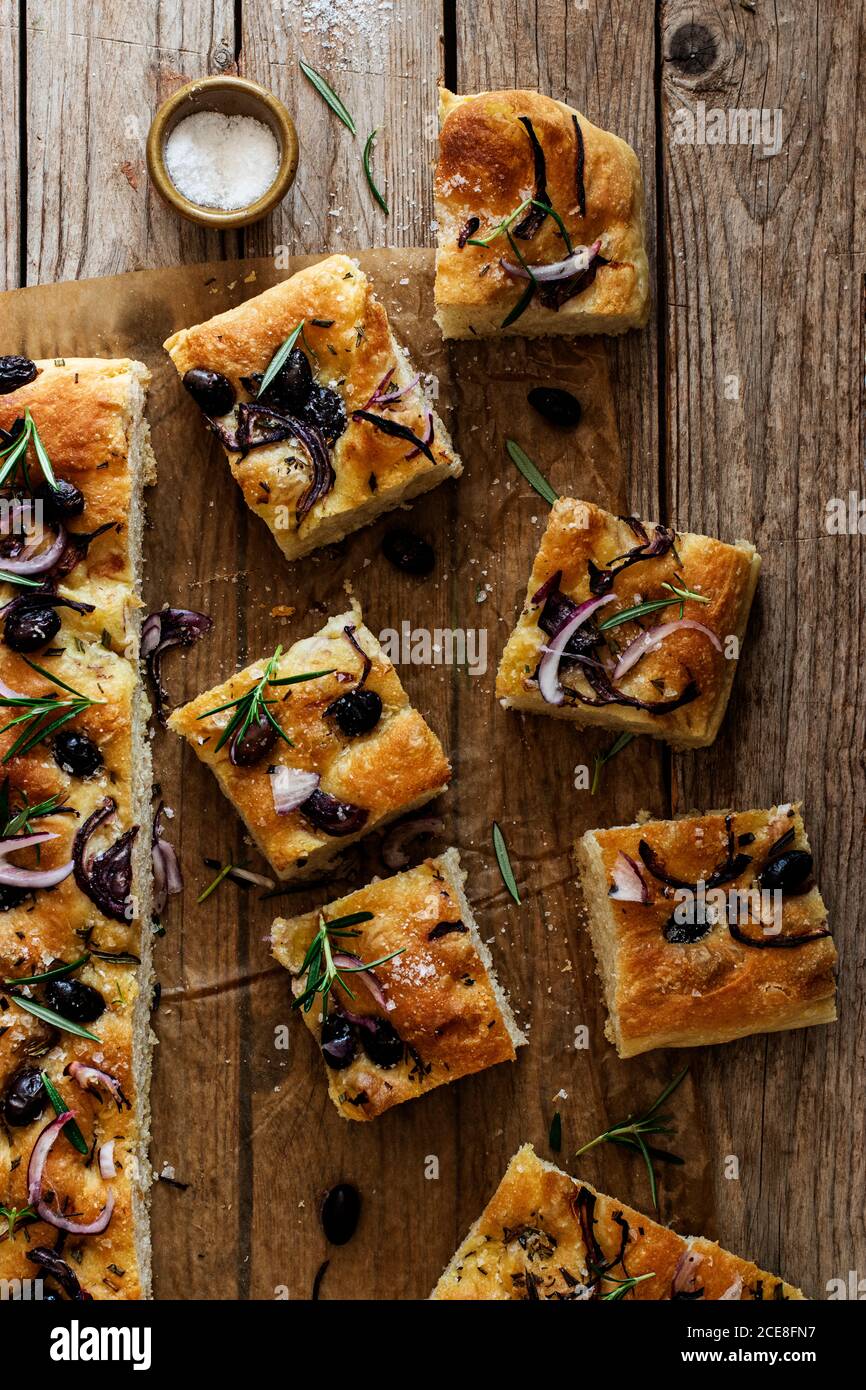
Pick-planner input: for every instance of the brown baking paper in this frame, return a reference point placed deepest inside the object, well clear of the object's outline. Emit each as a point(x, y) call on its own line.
point(244, 1134)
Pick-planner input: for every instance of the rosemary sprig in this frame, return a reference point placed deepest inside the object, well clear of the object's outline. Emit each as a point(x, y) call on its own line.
point(368, 148)
point(70, 1129)
point(624, 1286)
point(507, 222)
point(280, 357)
point(502, 859)
point(679, 592)
point(215, 883)
point(531, 473)
point(65, 1025)
point(249, 707)
point(35, 709)
point(328, 94)
point(16, 453)
point(318, 964)
point(528, 295)
point(17, 1216)
point(20, 820)
point(601, 758)
point(630, 1133)
point(59, 972)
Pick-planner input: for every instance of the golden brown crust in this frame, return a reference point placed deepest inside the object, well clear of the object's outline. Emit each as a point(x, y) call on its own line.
point(529, 1244)
point(440, 997)
point(397, 766)
point(579, 532)
point(349, 340)
point(485, 170)
point(85, 411)
point(664, 994)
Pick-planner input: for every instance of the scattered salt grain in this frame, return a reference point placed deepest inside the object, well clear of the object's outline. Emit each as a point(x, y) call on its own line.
point(220, 161)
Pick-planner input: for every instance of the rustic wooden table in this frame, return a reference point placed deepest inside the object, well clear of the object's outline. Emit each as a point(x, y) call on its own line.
point(741, 408)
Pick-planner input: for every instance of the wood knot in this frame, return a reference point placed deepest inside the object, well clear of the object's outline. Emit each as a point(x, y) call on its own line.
point(693, 49)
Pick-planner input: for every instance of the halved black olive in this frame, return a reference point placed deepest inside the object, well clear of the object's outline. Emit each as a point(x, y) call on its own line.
point(73, 1000)
point(338, 1041)
point(63, 500)
point(11, 897)
point(29, 627)
point(325, 409)
point(212, 392)
point(24, 1098)
point(356, 712)
point(258, 740)
point(685, 933)
point(788, 872)
point(408, 552)
point(383, 1044)
point(558, 407)
point(341, 1209)
point(76, 753)
point(334, 817)
point(291, 387)
point(15, 372)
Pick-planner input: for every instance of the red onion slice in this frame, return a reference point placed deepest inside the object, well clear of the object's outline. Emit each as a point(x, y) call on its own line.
point(580, 260)
point(79, 1228)
point(107, 1166)
point(685, 1273)
point(427, 438)
point(652, 637)
point(548, 670)
point(38, 564)
point(14, 877)
point(167, 877)
point(629, 883)
point(90, 1078)
point(345, 960)
point(291, 787)
point(39, 1155)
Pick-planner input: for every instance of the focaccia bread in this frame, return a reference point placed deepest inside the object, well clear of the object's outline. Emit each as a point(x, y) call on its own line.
point(430, 1014)
point(344, 432)
point(683, 966)
point(497, 150)
point(570, 661)
point(359, 754)
point(81, 936)
point(546, 1235)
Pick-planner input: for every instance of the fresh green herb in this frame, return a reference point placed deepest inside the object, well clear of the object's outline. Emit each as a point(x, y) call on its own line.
point(59, 972)
point(368, 171)
point(555, 1136)
point(502, 859)
point(49, 1016)
point(212, 887)
point(280, 357)
point(116, 957)
point(680, 594)
point(250, 707)
point(601, 758)
point(630, 1133)
point(70, 1129)
point(318, 964)
point(17, 1216)
point(16, 453)
point(38, 712)
point(502, 226)
point(528, 295)
point(20, 579)
point(20, 819)
point(327, 92)
point(623, 1286)
point(531, 473)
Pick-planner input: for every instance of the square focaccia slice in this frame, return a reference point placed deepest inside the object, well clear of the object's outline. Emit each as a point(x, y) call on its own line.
point(707, 929)
point(431, 1012)
point(497, 150)
point(342, 433)
point(546, 1235)
point(73, 956)
point(629, 625)
point(352, 755)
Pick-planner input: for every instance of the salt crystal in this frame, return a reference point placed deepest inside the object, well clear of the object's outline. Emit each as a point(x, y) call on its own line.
point(222, 161)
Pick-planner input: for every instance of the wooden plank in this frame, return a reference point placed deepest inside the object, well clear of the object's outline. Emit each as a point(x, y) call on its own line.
point(98, 72)
point(383, 61)
point(764, 384)
point(10, 83)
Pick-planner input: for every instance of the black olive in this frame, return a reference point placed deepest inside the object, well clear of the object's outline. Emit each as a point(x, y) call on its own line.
point(685, 933)
point(10, 897)
point(63, 500)
point(557, 406)
point(341, 1208)
point(258, 740)
point(788, 872)
point(28, 628)
point(291, 387)
point(24, 1098)
point(325, 409)
point(15, 372)
point(76, 753)
point(50, 1295)
point(338, 1041)
point(408, 552)
point(73, 1000)
point(384, 1046)
point(357, 712)
point(212, 392)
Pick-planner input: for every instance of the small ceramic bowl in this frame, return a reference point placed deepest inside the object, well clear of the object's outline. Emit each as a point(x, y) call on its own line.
point(233, 96)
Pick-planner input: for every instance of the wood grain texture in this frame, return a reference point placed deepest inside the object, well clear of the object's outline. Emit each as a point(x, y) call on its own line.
point(788, 346)
point(10, 93)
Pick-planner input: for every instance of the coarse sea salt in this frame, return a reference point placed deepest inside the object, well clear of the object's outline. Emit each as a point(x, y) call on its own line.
point(220, 161)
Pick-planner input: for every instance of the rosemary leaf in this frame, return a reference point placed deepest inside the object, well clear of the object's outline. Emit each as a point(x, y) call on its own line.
point(601, 758)
point(58, 973)
point(56, 1020)
point(368, 171)
point(70, 1129)
point(502, 859)
point(328, 94)
point(211, 888)
point(531, 473)
point(630, 1132)
point(280, 357)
